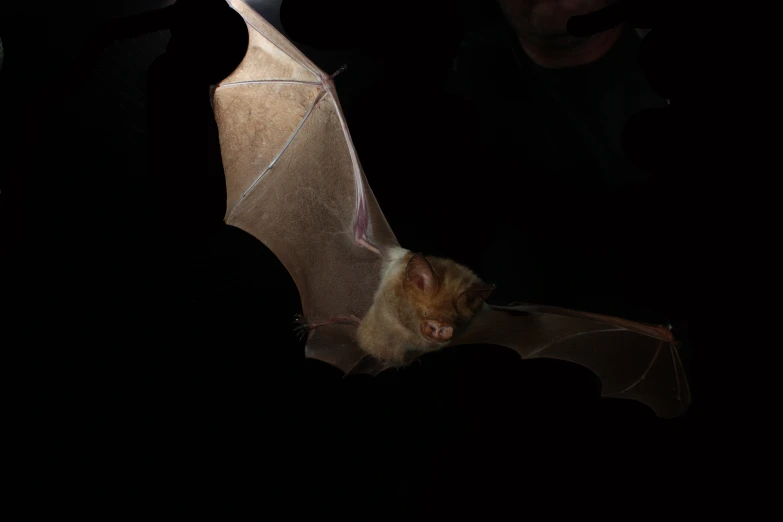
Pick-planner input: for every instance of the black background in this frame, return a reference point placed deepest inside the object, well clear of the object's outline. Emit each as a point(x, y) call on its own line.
point(165, 367)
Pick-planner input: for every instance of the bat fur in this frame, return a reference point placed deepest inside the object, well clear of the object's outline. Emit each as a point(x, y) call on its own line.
point(420, 304)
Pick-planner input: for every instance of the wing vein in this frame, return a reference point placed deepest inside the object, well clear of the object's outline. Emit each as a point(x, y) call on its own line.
point(543, 347)
point(678, 369)
point(279, 154)
point(644, 374)
point(676, 377)
point(361, 201)
point(253, 82)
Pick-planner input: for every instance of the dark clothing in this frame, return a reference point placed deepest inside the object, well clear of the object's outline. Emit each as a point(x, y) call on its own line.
point(572, 222)
point(555, 126)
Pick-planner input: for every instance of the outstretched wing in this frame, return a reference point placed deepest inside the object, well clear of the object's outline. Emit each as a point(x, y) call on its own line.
point(633, 360)
point(294, 181)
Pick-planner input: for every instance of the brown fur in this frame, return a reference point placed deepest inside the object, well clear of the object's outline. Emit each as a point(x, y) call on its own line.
point(419, 294)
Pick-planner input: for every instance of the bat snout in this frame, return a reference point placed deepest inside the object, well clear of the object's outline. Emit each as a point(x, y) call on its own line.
point(437, 331)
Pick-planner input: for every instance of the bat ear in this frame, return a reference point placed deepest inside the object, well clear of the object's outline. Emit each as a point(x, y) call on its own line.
point(420, 273)
point(475, 295)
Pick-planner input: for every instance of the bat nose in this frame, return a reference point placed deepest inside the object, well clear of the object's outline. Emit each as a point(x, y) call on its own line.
point(437, 331)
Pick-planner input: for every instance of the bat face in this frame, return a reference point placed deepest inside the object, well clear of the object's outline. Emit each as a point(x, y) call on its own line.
point(444, 296)
point(421, 304)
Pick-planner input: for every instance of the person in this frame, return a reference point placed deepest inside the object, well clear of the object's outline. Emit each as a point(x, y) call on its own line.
point(544, 113)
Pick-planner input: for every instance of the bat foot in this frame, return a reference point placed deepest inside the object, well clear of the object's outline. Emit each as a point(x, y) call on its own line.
point(303, 327)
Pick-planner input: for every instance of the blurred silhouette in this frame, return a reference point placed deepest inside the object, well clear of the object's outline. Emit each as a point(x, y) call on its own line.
point(183, 136)
point(545, 113)
point(551, 106)
point(169, 338)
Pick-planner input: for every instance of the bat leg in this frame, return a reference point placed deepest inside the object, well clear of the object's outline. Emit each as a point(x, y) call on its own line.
point(303, 327)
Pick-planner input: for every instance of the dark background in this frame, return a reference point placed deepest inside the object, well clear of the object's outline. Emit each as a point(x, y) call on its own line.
point(165, 367)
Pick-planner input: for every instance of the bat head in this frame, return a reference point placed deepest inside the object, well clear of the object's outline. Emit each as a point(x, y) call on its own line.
point(444, 297)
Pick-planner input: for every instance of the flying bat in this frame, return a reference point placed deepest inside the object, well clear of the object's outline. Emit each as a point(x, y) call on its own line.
point(294, 182)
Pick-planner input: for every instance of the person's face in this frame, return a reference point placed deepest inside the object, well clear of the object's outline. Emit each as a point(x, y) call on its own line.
point(544, 21)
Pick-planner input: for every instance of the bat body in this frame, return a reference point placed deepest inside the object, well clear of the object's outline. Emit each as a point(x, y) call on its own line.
point(294, 181)
point(419, 305)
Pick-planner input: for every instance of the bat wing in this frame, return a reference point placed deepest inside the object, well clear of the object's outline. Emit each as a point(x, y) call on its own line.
point(633, 360)
point(293, 181)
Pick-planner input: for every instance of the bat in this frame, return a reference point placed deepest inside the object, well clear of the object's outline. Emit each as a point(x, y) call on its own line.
point(294, 182)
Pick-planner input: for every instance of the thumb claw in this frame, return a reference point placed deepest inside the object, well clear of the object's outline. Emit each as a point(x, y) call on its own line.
point(338, 71)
